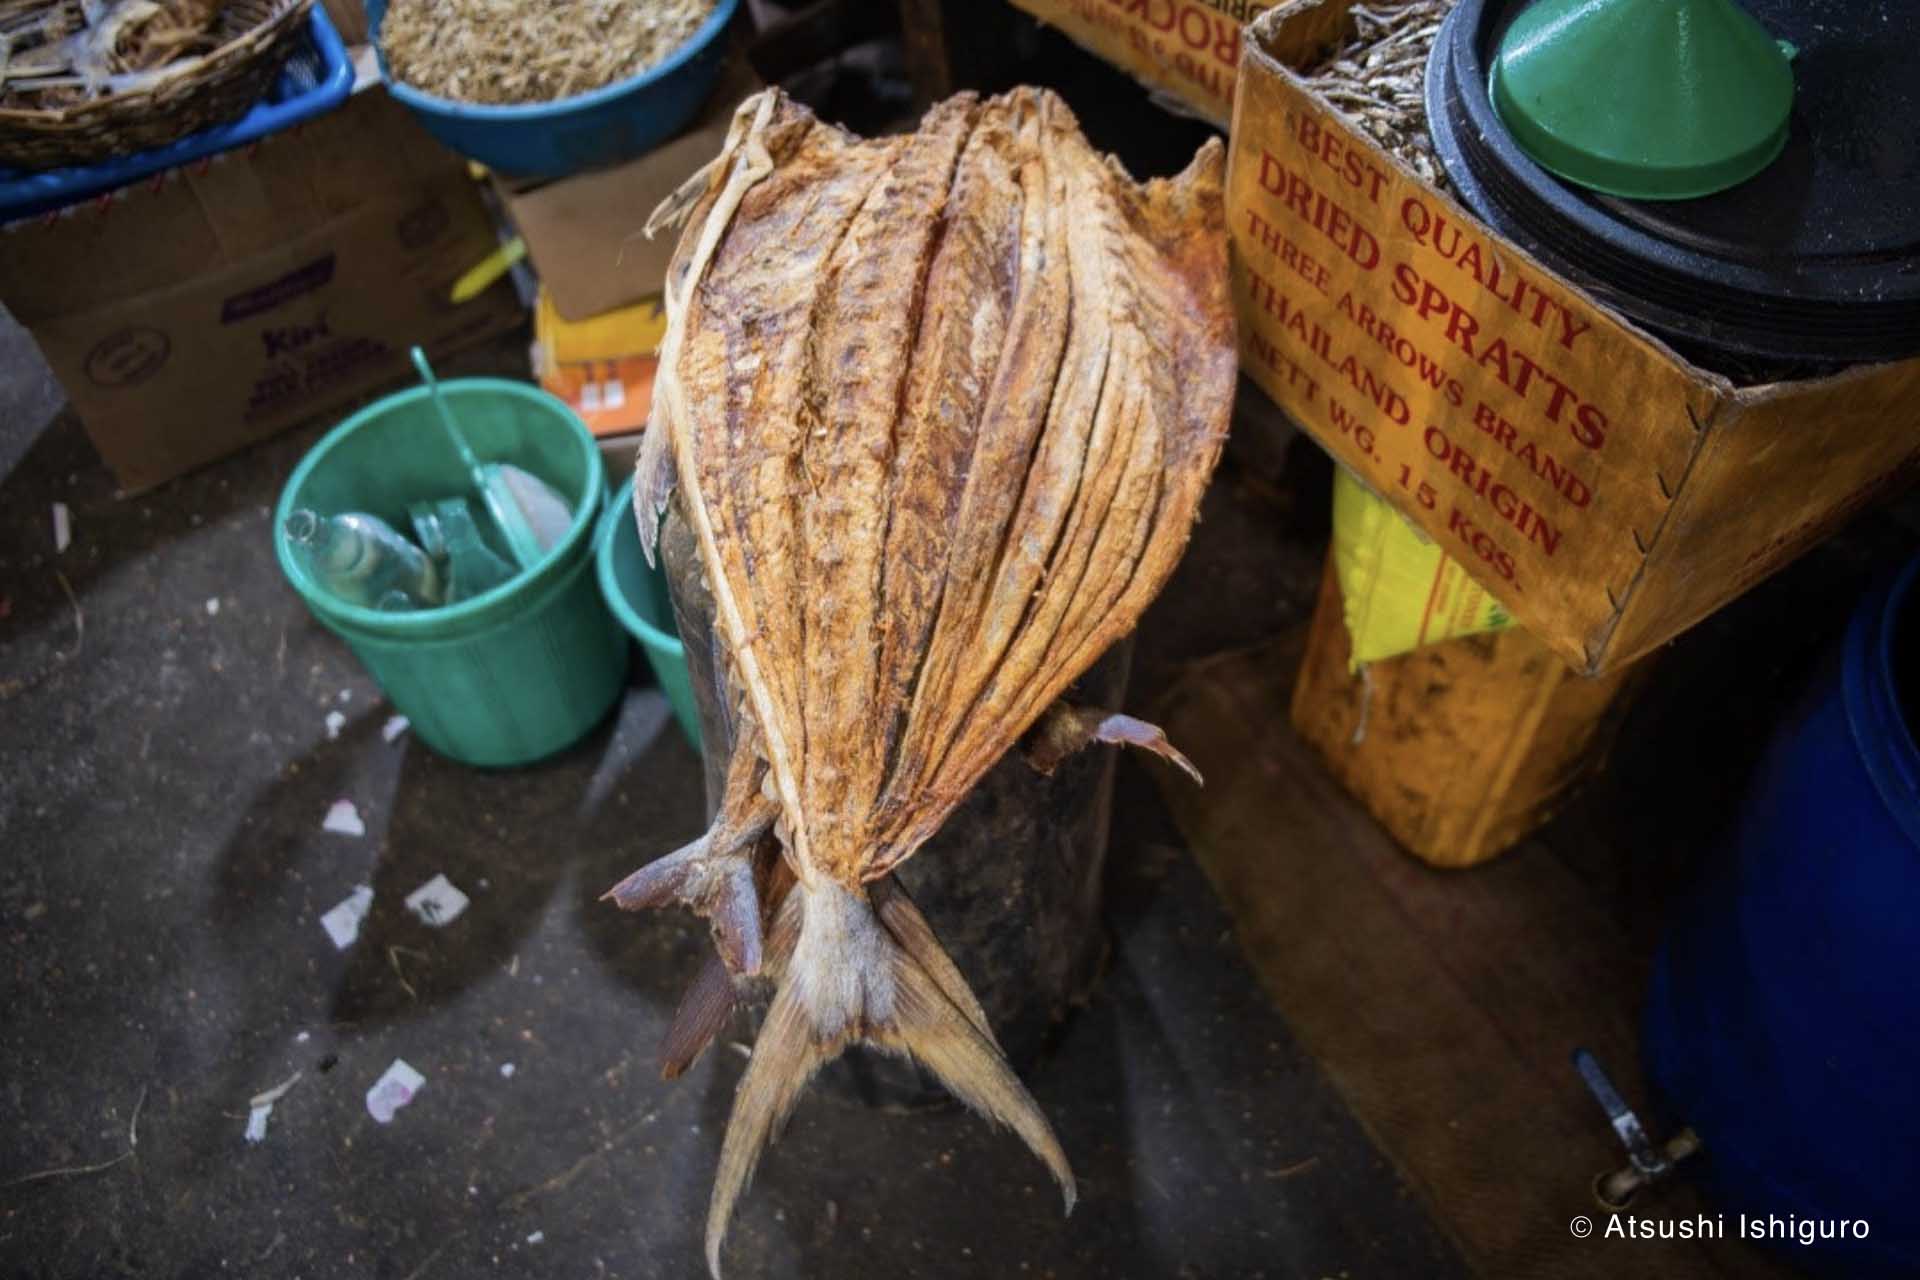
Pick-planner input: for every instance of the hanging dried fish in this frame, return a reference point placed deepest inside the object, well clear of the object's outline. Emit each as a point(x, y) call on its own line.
point(940, 409)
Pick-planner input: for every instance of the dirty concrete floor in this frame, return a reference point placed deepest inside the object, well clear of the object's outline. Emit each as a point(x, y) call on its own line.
point(167, 765)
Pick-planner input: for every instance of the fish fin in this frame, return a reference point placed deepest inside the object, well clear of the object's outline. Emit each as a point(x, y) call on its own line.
point(915, 936)
point(933, 1031)
point(653, 478)
point(785, 1057)
point(715, 882)
point(664, 880)
point(1065, 729)
point(711, 997)
point(733, 914)
point(702, 1015)
point(851, 980)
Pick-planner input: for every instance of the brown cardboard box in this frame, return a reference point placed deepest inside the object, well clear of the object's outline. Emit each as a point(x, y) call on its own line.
point(1187, 48)
point(1609, 493)
point(1459, 749)
point(211, 307)
point(584, 233)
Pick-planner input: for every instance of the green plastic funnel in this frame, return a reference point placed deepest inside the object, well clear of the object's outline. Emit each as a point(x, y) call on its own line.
point(1648, 99)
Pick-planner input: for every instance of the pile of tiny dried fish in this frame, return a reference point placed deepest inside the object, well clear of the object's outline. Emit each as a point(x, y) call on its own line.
point(508, 51)
point(54, 54)
point(1378, 79)
point(940, 409)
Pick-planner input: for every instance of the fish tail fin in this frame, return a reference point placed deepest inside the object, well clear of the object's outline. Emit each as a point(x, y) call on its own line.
point(703, 1013)
point(865, 969)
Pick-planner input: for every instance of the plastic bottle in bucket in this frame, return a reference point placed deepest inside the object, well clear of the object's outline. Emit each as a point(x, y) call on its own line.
point(361, 559)
point(447, 530)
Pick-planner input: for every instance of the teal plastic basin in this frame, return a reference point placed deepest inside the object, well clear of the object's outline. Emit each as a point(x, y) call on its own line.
point(518, 672)
point(637, 594)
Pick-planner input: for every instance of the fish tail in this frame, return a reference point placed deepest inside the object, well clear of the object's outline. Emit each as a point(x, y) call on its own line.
point(866, 969)
point(703, 1013)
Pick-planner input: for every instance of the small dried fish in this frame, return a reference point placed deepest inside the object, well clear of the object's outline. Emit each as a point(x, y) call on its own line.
point(506, 51)
point(940, 408)
point(1378, 79)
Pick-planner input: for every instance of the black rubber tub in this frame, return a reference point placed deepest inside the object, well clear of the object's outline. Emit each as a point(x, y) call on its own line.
point(1810, 266)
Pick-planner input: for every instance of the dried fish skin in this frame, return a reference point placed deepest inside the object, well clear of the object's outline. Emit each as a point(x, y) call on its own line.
point(1158, 430)
point(964, 316)
point(864, 335)
point(940, 410)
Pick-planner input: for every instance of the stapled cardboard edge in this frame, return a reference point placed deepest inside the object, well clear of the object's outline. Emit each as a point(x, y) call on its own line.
point(1731, 411)
point(1318, 25)
point(1599, 656)
point(1202, 110)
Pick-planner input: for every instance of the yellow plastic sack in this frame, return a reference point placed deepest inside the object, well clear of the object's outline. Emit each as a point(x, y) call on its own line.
point(1398, 589)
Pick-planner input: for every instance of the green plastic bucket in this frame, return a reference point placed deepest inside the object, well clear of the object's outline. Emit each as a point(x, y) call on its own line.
point(518, 672)
point(637, 594)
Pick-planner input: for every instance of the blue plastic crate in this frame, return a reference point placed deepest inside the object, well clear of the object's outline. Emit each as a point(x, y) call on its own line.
point(317, 77)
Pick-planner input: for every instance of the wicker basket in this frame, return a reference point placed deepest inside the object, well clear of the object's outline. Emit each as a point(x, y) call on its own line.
point(194, 94)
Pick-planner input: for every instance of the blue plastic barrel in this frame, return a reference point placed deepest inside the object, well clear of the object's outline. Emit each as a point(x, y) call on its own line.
point(1783, 1022)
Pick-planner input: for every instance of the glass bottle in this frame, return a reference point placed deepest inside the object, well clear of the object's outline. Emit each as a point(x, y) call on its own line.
point(472, 566)
point(361, 559)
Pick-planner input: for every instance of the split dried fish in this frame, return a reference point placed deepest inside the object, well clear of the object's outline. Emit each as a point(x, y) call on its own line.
point(940, 409)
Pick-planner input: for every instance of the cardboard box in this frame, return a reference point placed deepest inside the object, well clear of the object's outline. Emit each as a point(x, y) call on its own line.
point(585, 232)
point(1609, 493)
point(1189, 49)
point(1459, 749)
point(604, 367)
point(210, 307)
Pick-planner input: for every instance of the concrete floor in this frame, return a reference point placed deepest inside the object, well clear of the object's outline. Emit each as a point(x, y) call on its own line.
point(166, 765)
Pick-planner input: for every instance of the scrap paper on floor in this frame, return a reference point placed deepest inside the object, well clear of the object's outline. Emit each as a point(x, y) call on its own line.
point(342, 923)
point(437, 902)
point(396, 1087)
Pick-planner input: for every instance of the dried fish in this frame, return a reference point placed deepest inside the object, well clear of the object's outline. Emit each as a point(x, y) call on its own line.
point(1378, 79)
point(940, 409)
point(505, 51)
point(54, 53)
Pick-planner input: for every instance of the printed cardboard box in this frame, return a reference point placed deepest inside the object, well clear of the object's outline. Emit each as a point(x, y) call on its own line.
point(1609, 493)
point(1189, 49)
point(207, 308)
